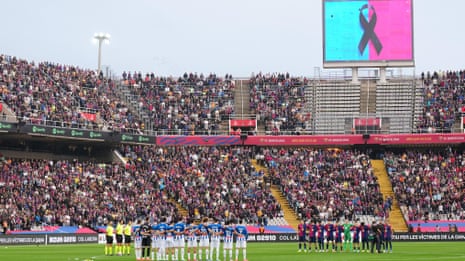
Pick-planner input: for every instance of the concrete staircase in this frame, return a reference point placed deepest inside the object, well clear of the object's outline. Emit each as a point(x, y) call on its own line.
point(289, 214)
point(241, 98)
point(368, 96)
point(180, 208)
point(395, 216)
point(7, 113)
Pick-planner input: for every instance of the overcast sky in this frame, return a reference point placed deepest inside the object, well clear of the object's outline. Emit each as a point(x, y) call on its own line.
point(170, 37)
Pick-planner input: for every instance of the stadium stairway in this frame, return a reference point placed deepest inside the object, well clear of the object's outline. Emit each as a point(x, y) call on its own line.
point(183, 211)
point(395, 215)
point(241, 98)
point(289, 214)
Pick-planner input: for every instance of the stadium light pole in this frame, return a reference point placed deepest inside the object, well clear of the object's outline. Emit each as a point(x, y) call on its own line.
point(101, 38)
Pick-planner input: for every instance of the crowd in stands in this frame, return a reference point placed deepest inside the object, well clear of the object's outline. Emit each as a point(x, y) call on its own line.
point(192, 104)
point(428, 185)
point(207, 181)
point(279, 100)
point(73, 193)
point(61, 95)
point(217, 182)
point(443, 101)
point(326, 184)
point(189, 105)
point(220, 182)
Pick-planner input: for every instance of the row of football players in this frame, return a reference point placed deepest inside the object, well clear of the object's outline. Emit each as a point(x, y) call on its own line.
point(344, 236)
point(165, 241)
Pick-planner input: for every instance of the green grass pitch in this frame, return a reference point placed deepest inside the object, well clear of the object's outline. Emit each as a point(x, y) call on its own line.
point(255, 252)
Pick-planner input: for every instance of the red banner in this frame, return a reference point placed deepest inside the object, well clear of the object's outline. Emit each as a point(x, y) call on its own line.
point(242, 123)
point(304, 140)
point(316, 140)
point(88, 116)
point(359, 122)
point(433, 138)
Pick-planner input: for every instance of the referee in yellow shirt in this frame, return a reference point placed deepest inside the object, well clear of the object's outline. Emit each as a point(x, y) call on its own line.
point(119, 237)
point(127, 238)
point(109, 237)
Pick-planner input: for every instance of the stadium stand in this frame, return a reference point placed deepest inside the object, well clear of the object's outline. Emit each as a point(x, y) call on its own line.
point(64, 96)
point(428, 185)
point(279, 101)
point(189, 105)
point(326, 184)
point(443, 101)
point(220, 181)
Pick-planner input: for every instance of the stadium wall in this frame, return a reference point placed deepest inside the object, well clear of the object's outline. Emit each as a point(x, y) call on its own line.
point(48, 239)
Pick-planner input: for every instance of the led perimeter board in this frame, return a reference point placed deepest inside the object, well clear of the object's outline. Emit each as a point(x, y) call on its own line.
point(367, 33)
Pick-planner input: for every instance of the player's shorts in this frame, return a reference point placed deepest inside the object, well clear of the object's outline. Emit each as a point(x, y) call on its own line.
point(330, 238)
point(137, 242)
point(204, 242)
point(356, 239)
point(109, 239)
point(119, 239)
point(365, 239)
point(338, 240)
point(127, 239)
point(301, 238)
point(146, 241)
point(321, 239)
point(228, 243)
point(156, 242)
point(192, 243)
point(179, 242)
point(347, 238)
point(169, 242)
point(215, 242)
point(387, 239)
point(312, 240)
point(241, 243)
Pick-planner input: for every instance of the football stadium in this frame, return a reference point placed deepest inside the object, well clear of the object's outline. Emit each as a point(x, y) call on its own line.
point(358, 162)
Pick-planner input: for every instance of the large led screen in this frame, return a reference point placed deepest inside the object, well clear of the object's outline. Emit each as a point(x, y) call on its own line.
point(366, 33)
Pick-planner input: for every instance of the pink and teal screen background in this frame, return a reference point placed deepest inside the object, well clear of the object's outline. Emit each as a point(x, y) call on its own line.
point(343, 30)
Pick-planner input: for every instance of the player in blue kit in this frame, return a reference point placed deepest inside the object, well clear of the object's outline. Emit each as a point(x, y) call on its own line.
point(228, 235)
point(330, 229)
point(301, 232)
point(215, 230)
point(321, 236)
point(365, 231)
point(312, 231)
point(356, 237)
point(241, 241)
point(162, 229)
point(204, 243)
point(179, 229)
point(191, 234)
point(338, 236)
point(387, 237)
point(155, 241)
point(137, 241)
point(169, 241)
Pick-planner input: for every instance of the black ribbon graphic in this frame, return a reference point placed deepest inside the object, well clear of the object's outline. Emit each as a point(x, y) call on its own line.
point(369, 31)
